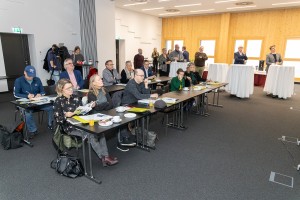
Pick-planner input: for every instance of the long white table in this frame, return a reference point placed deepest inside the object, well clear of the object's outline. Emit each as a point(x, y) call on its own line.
point(240, 79)
point(217, 72)
point(174, 66)
point(280, 81)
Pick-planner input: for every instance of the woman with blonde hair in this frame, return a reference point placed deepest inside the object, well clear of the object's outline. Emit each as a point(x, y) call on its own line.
point(98, 94)
point(64, 107)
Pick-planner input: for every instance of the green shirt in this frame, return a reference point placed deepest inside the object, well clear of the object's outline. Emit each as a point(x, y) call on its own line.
point(176, 84)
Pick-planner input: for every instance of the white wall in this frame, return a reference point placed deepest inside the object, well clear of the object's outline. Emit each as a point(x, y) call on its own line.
point(47, 23)
point(105, 25)
point(139, 31)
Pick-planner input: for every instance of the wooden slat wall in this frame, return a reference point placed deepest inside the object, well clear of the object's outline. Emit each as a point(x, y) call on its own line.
point(273, 26)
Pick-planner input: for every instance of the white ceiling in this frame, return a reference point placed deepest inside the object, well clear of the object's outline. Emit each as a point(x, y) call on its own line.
point(206, 7)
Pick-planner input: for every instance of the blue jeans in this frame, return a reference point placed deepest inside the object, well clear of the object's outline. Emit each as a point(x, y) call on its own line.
point(30, 123)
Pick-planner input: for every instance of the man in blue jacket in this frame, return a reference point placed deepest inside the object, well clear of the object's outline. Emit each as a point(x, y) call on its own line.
point(147, 70)
point(29, 86)
point(73, 75)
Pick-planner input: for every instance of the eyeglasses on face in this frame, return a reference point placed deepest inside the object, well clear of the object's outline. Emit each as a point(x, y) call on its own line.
point(69, 89)
point(140, 75)
point(69, 63)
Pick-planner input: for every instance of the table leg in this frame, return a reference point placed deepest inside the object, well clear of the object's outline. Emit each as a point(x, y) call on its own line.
point(142, 145)
point(26, 138)
point(86, 174)
point(218, 97)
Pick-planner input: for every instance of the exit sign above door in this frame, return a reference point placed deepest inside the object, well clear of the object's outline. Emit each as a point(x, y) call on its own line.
point(17, 30)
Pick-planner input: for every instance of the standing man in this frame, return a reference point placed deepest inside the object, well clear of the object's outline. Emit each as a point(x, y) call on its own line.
point(273, 58)
point(240, 57)
point(29, 86)
point(200, 58)
point(176, 55)
point(54, 63)
point(186, 54)
point(138, 59)
point(110, 75)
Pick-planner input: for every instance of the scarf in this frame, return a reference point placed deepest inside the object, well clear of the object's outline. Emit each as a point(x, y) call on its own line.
point(128, 73)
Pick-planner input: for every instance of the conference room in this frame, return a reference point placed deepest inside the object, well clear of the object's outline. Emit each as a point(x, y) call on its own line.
point(242, 145)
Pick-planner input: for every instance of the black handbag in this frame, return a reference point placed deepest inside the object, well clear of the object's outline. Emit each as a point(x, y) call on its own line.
point(51, 81)
point(11, 140)
point(68, 166)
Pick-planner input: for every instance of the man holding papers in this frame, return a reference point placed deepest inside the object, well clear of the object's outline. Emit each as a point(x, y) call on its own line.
point(29, 86)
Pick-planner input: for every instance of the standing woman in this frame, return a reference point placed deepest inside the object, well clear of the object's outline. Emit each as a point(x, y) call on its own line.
point(77, 58)
point(273, 58)
point(98, 95)
point(64, 107)
point(164, 63)
point(154, 56)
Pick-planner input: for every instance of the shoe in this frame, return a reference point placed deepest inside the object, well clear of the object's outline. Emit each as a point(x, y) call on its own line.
point(122, 148)
point(50, 127)
point(128, 141)
point(109, 161)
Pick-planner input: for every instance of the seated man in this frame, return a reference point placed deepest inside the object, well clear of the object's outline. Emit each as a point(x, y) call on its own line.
point(147, 71)
point(73, 75)
point(30, 86)
point(110, 75)
point(136, 89)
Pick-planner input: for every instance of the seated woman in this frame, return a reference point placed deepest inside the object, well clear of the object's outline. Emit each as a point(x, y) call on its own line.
point(178, 82)
point(73, 75)
point(64, 107)
point(127, 73)
point(196, 74)
point(98, 95)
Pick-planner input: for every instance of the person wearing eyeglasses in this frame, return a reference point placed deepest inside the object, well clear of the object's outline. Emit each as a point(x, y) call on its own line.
point(147, 70)
point(73, 75)
point(137, 88)
point(64, 107)
point(110, 74)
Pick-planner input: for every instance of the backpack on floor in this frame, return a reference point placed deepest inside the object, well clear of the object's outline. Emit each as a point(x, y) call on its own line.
point(11, 139)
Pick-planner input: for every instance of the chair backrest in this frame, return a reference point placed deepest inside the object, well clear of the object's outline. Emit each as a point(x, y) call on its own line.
point(84, 100)
point(117, 98)
point(49, 90)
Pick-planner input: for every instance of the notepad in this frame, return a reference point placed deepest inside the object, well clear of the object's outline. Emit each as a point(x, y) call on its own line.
point(138, 110)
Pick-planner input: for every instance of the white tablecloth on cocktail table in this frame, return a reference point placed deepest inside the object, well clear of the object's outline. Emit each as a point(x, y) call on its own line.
point(217, 72)
point(240, 79)
point(280, 81)
point(176, 65)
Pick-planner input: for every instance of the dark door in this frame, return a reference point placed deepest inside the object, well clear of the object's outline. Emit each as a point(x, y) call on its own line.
point(118, 55)
point(16, 55)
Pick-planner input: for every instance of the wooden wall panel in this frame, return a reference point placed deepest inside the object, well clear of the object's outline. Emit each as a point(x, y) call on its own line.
point(273, 26)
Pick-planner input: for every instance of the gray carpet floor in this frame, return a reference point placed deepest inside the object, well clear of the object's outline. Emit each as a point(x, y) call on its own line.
point(228, 155)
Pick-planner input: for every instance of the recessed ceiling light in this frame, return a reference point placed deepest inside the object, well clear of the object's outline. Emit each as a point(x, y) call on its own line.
point(169, 13)
point(276, 4)
point(244, 3)
point(134, 4)
point(172, 10)
point(187, 5)
point(202, 10)
point(232, 8)
point(153, 9)
point(225, 1)
point(163, 0)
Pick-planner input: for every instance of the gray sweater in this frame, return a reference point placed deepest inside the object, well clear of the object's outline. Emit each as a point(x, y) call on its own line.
point(134, 92)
